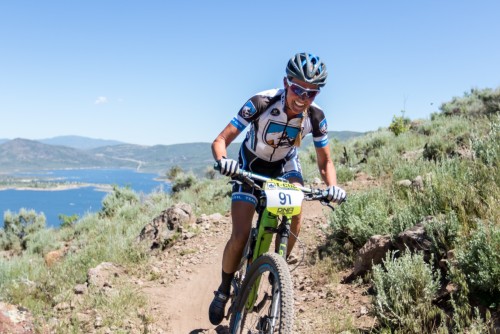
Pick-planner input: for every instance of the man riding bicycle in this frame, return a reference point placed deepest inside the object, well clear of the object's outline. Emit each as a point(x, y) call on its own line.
point(278, 119)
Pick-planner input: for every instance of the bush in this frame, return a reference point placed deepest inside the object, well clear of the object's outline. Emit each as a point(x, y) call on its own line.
point(399, 125)
point(487, 149)
point(362, 216)
point(479, 258)
point(404, 292)
point(120, 197)
point(474, 103)
point(18, 228)
point(183, 182)
point(443, 231)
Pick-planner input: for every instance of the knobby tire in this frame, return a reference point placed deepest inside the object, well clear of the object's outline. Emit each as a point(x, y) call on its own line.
point(257, 320)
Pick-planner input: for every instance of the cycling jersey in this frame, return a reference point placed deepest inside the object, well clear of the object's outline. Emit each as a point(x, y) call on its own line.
point(268, 148)
point(271, 135)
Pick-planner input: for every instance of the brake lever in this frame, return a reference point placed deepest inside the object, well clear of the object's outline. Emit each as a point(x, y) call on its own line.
point(327, 203)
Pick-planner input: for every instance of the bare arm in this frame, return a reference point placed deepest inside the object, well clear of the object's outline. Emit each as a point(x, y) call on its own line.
point(326, 166)
point(223, 140)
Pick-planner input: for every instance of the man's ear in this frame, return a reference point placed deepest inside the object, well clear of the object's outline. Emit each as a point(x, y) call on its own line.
point(284, 82)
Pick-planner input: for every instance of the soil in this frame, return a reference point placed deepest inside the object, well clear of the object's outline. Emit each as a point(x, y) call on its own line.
point(189, 272)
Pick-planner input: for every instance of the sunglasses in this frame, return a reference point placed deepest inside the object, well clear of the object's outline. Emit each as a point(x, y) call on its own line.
point(301, 91)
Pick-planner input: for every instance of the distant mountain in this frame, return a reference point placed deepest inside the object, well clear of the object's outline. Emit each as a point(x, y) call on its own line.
point(24, 154)
point(30, 155)
point(3, 140)
point(79, 142)
point(339, 135)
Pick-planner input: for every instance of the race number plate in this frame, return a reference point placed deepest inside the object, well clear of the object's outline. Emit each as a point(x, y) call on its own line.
point(283, 198)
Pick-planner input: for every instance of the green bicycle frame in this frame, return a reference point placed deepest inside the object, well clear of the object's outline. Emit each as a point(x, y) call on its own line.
point(268, 222)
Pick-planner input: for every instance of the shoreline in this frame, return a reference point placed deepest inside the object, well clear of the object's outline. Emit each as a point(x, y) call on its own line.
point(60, 187)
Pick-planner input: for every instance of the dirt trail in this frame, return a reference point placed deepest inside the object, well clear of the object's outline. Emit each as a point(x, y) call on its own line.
point(190, 272)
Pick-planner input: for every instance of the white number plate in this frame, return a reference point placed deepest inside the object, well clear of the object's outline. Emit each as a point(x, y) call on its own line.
point(283, 198)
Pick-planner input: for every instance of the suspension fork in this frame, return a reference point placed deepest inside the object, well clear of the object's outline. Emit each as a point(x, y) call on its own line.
point(283, 234)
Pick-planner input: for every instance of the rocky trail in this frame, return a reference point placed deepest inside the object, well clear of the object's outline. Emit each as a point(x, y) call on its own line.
point(188, 272)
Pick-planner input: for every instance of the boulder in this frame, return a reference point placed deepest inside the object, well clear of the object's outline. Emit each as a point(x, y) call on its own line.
point(372, 252)
point(414, 240)
point(160, 232)
point(102, 276)
point(15, 320)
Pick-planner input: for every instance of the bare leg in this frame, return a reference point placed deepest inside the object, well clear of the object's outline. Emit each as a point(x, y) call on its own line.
point(295, 229)
point(242, 215)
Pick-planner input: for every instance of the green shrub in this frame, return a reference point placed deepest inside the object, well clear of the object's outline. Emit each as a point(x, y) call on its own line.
point(474, 103)
point(344, 174)
point(478, 257)
point(405, 288)
point(68, 221)
point(183, 182)
point(437, 150)
point(117, 199)
point(399, 125)
point(487, 148)
point(443, 231)
point(362, 216)
point(19, 228)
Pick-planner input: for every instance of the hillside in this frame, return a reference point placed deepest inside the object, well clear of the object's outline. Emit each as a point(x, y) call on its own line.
point(415, 249)
point(80, 152)
point(23, 154)
point(79, 142)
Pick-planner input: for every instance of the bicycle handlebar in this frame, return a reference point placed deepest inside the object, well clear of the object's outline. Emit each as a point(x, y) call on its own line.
point(309, 194)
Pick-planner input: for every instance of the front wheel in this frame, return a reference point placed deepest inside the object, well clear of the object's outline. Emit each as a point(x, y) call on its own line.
point(265, 301)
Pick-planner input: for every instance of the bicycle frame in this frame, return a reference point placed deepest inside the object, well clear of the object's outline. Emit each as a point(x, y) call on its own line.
point(278, 202)
point(270, 213)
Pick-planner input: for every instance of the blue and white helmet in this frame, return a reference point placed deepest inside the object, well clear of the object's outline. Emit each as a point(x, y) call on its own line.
point(307, 67)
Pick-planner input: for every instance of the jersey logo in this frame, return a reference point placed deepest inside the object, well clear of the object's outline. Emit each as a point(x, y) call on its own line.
point(248, 110)
point(323, 127)
point(275, 112)
point(278, 134)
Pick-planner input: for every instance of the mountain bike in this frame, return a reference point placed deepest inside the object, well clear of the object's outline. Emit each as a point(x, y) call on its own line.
point(262, 296)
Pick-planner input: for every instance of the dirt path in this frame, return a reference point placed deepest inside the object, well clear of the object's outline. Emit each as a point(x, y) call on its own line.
point(190, 272)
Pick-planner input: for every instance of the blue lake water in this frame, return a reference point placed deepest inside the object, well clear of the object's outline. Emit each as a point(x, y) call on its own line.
point(75, 201)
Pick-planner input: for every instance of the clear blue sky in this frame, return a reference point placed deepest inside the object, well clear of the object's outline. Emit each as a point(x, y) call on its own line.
point(166, 72)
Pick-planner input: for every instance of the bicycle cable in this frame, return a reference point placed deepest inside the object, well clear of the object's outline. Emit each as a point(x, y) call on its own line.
point(303, 251)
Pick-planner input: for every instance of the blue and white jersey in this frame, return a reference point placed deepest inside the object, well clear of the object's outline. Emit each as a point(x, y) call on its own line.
point(271, 135)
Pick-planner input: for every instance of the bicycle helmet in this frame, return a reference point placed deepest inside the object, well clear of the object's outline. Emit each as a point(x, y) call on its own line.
point(307, 67)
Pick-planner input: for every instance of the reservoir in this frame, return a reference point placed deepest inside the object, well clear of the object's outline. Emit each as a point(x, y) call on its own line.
point(77, 201)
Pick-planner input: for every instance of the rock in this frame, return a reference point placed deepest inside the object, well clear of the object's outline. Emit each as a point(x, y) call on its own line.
point(214, 219)
point(15, 319)
point(80, 289)
point(404, 183)
point(163, 228)
point(418, 183)
point(414, 239)
point(372, 252)
point(54, 256)
point(62, 307)
point(102, 275)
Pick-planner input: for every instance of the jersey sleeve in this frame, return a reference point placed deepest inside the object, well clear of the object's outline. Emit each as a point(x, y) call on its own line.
point(252, 109)
point(319, 127)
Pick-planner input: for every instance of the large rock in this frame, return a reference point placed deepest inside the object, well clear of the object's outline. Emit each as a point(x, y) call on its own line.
point(372, 252)
point(415, 240)
point(102, 276)
point(163, 228)
point(15, 320)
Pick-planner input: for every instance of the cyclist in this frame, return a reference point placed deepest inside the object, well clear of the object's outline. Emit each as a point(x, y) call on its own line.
point(278, 119)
